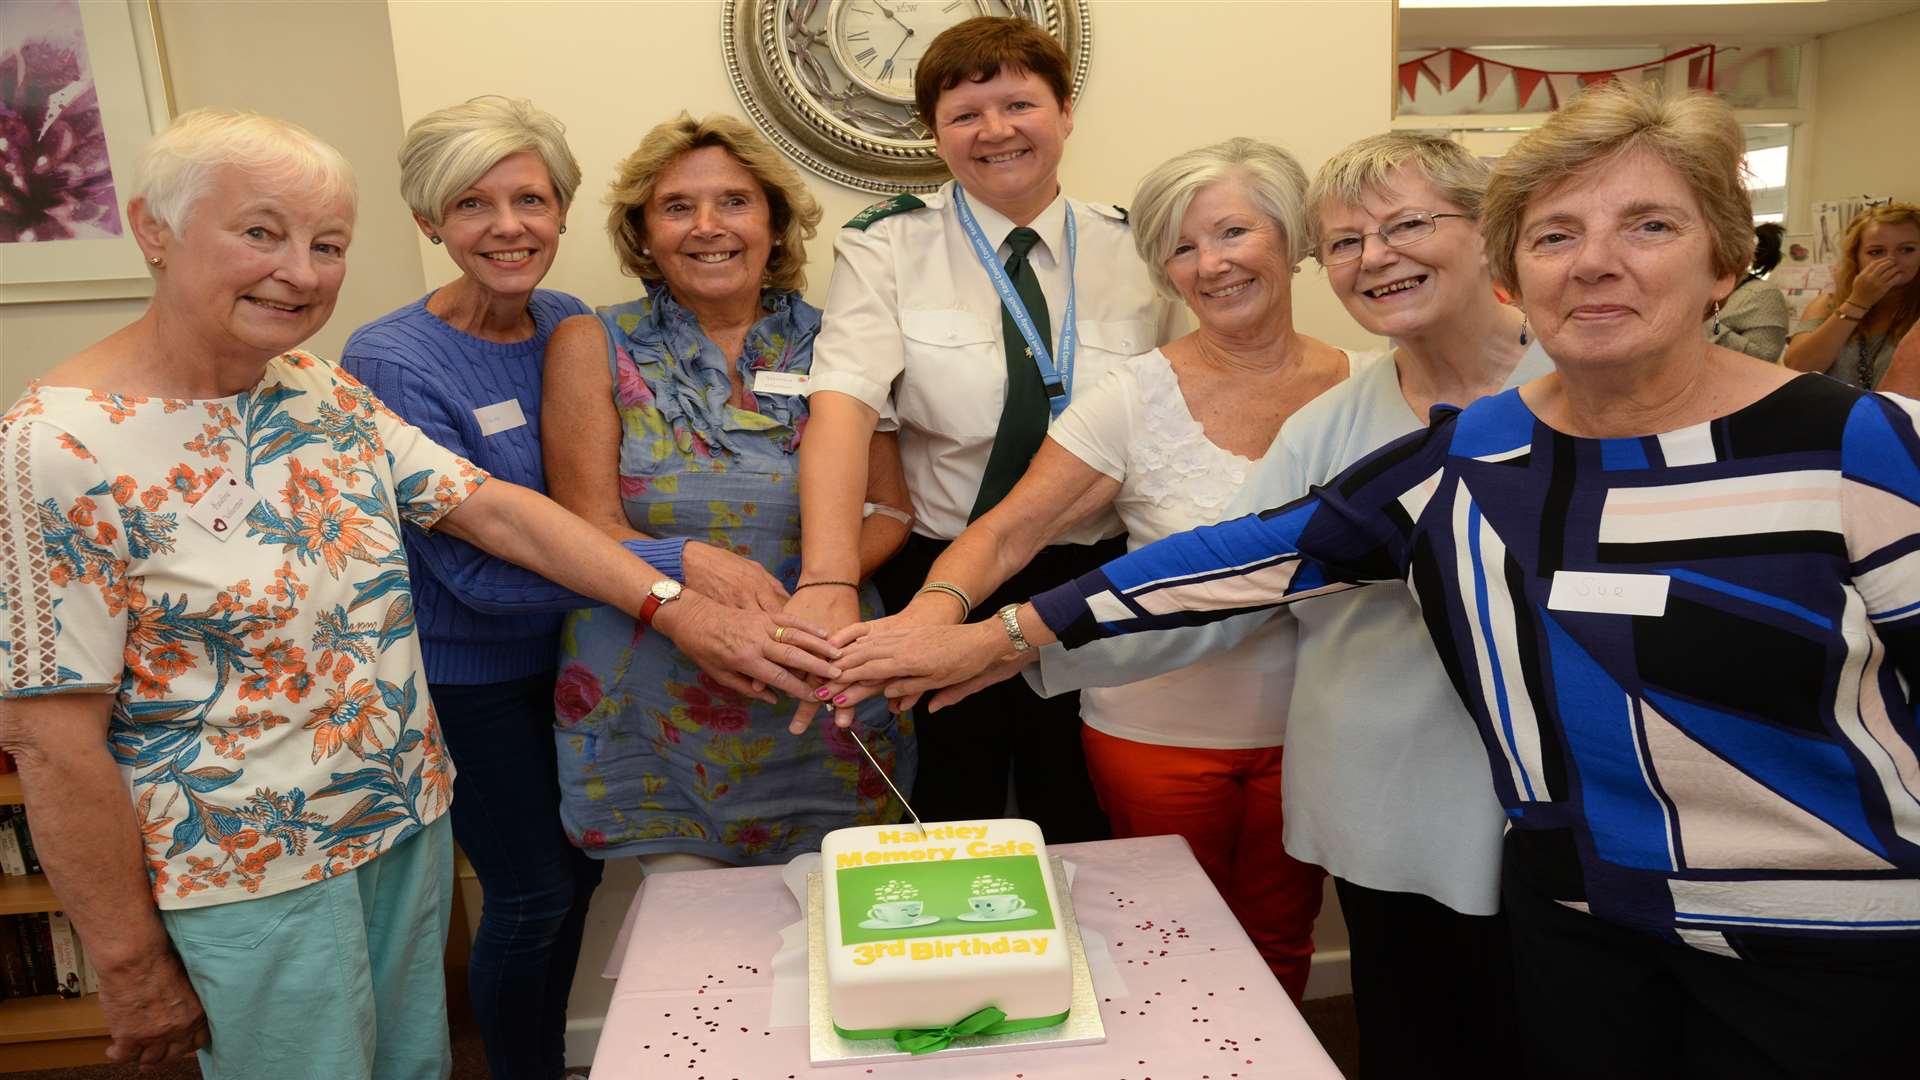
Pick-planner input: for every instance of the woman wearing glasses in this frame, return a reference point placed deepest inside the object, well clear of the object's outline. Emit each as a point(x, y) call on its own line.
point(1398, 808)
point(1167, 441)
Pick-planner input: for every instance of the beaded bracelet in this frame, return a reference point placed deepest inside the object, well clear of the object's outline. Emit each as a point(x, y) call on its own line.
point(948, 587)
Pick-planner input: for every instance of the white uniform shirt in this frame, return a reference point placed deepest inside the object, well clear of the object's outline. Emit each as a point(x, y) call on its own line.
point(913, 329)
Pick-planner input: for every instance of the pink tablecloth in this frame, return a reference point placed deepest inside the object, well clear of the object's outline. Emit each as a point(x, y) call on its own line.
point(1199, 1004)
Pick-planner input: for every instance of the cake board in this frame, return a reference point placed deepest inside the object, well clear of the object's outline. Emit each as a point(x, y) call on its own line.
point(825, 1046)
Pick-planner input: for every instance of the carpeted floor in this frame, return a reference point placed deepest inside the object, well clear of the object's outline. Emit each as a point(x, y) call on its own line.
point(1330, 1018)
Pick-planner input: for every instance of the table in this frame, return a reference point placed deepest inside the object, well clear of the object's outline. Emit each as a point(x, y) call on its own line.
point(1199, 1004)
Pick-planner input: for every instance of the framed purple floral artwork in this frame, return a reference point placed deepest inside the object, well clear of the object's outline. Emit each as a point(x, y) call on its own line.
point(82, 88)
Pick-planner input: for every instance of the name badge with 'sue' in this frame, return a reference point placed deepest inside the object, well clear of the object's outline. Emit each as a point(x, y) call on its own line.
point(500, 416)
point(224, 506)
point(1608, 594)
point(779, 382)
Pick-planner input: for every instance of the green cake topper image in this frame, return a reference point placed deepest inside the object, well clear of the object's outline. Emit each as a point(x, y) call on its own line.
point(933, 899)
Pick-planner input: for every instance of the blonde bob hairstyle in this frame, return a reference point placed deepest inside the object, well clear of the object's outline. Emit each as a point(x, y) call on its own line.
point(448, 150)
point(1695, 134)
point(178, 165)
point(1366, 168)
point(1275, 182)
point(795, 216)
point(1906, 310)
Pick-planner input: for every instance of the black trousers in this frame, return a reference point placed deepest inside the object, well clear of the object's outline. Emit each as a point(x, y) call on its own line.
point(1432, 988)
point(967, 750)
point(1601, 1000)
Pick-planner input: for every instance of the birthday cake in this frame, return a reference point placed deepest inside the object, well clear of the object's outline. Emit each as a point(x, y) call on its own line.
point(952, 932)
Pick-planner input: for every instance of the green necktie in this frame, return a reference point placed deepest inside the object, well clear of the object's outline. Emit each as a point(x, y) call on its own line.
point(1023, 422)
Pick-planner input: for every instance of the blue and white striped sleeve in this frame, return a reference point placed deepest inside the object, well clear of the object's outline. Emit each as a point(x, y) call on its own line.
point(1353, 531)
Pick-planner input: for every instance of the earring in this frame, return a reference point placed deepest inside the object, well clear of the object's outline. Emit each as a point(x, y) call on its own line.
point(157, 261)
point(433, 240)
point(563, 230)
point(648, 252)
point(1523, 330)
point(1716, 318)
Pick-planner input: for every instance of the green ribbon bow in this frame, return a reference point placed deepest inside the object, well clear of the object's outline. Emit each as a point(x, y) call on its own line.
point(988, 1021)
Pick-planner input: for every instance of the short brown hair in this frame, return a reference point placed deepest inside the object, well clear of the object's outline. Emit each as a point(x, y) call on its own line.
point(794, 212)
point(1695, 134)
point(976, 50)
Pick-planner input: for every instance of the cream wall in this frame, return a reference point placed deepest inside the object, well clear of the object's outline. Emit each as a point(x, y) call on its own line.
point(1863, 112)
point(1167, 75)
point(339, 83)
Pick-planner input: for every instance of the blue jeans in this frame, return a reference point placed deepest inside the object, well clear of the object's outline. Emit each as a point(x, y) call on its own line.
point(506, 816)
point(339, 980)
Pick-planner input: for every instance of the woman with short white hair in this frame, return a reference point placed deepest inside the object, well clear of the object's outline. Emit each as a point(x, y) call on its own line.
point(212, 681)
point(1168, 440)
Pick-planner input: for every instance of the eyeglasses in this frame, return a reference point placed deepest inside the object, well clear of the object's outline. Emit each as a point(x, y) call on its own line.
point(1400, 232)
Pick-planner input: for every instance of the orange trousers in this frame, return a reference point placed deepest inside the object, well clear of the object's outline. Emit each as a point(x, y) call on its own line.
point(1226, 804)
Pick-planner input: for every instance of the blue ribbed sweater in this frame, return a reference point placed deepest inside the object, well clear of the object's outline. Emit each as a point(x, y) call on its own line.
point(482, 620)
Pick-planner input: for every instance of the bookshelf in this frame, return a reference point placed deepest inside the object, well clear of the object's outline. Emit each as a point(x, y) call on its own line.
point(46, 1032)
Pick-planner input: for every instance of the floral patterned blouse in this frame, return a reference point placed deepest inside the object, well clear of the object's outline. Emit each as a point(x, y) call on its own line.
point(270, 715)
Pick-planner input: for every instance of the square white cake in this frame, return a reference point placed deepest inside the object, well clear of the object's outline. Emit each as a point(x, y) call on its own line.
point(923, 931)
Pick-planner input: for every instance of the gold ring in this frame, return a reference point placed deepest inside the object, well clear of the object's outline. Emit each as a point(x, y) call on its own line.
point(778, 632)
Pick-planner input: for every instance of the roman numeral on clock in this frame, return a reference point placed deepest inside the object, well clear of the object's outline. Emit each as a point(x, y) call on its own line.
point(865, 56)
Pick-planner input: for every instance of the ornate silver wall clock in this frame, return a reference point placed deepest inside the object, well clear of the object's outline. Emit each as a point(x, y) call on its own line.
point(830, 82)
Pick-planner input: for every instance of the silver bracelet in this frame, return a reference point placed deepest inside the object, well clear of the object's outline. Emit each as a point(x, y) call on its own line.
point(1010, 621)
point(955, 591)
point(867, 510)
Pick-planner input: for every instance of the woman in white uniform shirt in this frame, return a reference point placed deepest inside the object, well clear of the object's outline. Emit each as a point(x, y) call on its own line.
point(916, 336)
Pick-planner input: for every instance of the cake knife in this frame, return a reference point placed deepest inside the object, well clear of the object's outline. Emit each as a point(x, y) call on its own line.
point(889, 781)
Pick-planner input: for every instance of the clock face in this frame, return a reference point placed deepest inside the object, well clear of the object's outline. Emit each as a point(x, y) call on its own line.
point(879, 45)
point(830, 82)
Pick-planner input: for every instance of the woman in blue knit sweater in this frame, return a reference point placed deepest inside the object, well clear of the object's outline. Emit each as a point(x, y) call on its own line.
point(491, 181)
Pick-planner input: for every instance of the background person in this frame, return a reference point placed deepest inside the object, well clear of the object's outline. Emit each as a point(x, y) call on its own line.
point(681, 413)
point(1878, 281)
point(491, 181)
point(1710, 866)
point(916, 338)
point(1755, 318)
point(226, 718)
point(1167, 441)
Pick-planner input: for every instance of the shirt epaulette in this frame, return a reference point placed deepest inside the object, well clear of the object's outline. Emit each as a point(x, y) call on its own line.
point(899, 204)
point(1117, 213)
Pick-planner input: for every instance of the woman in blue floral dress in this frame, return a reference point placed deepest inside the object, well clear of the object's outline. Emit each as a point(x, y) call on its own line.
point(679, 414)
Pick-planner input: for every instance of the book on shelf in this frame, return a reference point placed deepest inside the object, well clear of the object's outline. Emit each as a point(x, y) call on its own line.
point(12, 860)
point(13, 965)
point(36, 946)
point(27, 853)
point(70, 982)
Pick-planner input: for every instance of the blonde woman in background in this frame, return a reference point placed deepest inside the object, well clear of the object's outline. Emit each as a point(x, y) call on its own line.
point(1877, 280)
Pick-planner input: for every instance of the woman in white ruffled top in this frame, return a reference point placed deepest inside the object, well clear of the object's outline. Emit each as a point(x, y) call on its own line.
point(1167, 441)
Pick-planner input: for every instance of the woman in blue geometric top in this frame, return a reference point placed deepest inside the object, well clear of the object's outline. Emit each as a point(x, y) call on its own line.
point(1679, 591)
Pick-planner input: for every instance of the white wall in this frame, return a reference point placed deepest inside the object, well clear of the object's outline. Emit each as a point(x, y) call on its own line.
point(339, 83)
point(1863, 112)
point(1167, 75)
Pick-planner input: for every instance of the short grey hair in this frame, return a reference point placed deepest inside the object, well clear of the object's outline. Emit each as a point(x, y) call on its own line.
point(177, 167)
point(1275, 181)
point(448, 150)
point(1366, 167)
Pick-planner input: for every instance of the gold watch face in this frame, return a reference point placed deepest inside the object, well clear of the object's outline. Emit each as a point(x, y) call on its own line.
point(830, 82)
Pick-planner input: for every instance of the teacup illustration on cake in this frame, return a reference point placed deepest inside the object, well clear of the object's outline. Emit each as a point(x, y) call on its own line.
point(993, 900)
point(897, 906)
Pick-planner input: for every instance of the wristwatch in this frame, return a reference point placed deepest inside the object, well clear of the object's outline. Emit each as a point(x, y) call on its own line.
point(1010, 621)
point(664, 591)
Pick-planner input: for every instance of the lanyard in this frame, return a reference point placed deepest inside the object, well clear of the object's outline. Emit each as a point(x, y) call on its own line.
point(1057, 377)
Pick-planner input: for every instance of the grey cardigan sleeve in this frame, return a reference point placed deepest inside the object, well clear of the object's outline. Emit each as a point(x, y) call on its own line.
point(1754, 321)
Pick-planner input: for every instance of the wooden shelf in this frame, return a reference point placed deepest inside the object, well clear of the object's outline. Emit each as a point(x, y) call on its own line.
point(10, 789)
point(50, 1032)
point(24, 895)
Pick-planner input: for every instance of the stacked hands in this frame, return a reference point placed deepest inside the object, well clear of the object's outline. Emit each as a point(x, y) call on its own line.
point(923, 649)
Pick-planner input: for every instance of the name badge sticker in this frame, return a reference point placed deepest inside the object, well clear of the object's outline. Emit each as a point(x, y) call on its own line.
point(1608, 594)
point(224, 506)
point(779, 382)
point(500, 416)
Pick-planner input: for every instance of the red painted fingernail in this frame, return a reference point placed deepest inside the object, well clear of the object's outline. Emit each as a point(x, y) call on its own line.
point(841, 700)
point(821, 693)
